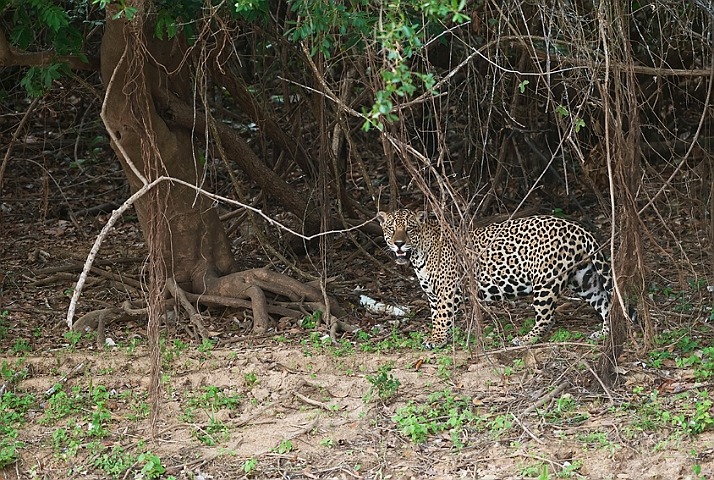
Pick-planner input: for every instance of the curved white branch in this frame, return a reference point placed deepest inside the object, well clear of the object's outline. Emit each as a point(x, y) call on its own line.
point(143, 190)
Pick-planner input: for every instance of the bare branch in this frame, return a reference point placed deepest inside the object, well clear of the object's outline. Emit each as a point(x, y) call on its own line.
point(11, 56)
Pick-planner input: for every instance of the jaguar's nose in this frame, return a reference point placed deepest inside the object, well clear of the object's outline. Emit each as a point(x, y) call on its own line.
point(399, 244)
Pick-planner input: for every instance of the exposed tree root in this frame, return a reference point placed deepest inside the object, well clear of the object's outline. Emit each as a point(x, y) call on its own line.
point(252, 285)
point(193, 314)
point(245, 290)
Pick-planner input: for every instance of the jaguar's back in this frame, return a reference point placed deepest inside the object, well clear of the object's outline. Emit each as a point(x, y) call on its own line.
point(538, 255)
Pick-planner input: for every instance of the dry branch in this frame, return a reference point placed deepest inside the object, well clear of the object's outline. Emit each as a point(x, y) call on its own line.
point(116, 214)
point(180, 114)
point(546, 398)
point(19, 128)
point(11, 56)
point(250, 106)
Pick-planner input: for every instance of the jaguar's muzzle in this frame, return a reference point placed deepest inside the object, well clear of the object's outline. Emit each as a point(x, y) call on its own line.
point(402, 256)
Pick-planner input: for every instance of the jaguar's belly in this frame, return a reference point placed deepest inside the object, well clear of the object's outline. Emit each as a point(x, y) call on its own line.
point(495, 289)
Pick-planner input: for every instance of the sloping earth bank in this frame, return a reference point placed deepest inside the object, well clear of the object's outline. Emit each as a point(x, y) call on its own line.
point(280, 410)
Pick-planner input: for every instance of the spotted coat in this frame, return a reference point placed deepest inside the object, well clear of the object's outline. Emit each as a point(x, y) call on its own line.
point(537, 256)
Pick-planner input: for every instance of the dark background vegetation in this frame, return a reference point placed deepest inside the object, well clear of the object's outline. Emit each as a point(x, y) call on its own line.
point(318, 114)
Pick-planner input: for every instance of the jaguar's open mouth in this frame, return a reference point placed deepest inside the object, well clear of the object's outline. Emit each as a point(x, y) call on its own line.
point(402, 256)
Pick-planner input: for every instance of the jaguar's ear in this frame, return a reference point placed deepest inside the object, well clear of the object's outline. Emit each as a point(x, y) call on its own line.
point(421, 216)
point(381, 217)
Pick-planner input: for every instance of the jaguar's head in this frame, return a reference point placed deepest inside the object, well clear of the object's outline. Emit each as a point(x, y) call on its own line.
point(401, 232)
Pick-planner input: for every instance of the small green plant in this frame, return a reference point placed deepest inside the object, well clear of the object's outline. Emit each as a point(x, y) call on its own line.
point(73, 338)
point(526, 327)
point(21, 345)
point(570, 470)
point(189, 415)
point(141, 411)
point(98, 420)
point(562, 335)
point(114, 462)
point(443, 411)
point(564, 410)
point(133, 343)
point(696, 421)
point(397, 341)
point(344, 348)
point(445, 366)
point(249, 466)
point(384, 383)
point(539, 472)
point(7, 372)
point(12, 417)
point(174, 352)
point(215, 431)
point(216, 399)
point(518, 365)
point(152, 467)
point(284, 447)
point(250, 379)
point(310, 321)
point(62, 405)
point(499, 425)
point(579, 123)
point(327, 442)
point(206, 346)
point(598, 440)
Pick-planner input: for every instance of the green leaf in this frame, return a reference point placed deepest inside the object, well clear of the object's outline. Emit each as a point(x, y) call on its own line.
point(54, 16)
point(165, 22)
point(562, 110)
point(22, 36)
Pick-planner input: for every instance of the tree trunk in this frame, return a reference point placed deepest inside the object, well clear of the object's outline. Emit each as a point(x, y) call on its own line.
point(181, 227)
point(195, 244)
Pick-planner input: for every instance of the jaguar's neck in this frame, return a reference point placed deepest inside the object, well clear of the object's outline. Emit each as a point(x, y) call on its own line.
point(428, 237)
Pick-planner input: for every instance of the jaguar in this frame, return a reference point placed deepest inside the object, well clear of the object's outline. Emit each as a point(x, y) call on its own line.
point(537, 255)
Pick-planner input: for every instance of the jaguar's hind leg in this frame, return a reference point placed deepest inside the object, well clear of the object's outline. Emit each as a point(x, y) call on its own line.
point(544, 297)
point(593, 287)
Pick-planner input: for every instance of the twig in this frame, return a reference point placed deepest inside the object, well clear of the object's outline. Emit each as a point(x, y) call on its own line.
point(602, 384)
point(525, 429)
point(19, 128)
point(683, 161)
point(59, 278)
point(116, 214)
point(546, 398)
point(66, 377)
point(312, 402)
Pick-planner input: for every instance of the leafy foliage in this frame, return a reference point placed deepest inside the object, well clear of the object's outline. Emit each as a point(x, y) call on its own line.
point(399, 29)
point(443, 411)
point(384, 383)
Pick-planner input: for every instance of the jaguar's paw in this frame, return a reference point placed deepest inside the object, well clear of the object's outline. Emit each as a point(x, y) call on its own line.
point(431, 344)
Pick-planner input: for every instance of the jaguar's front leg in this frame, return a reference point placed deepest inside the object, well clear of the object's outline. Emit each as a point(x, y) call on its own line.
point(442, 320)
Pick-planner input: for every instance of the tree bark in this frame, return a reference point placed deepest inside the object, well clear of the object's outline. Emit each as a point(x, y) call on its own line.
point(180, 114)
point(196, 242)
point(193, 245)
